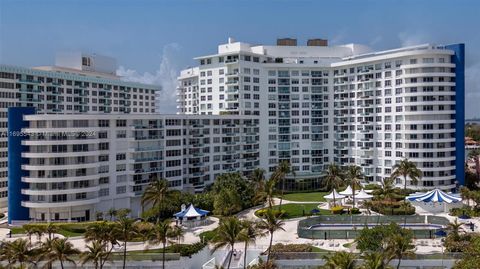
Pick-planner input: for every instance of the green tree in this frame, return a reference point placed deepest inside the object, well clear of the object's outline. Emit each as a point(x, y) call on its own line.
point(60, 250)
point(238, 184)
point(333, 179)
point(227, 202)
point(157, 195)
point(248, 235)
point(375, 260)
point(400, 245)
point(340, 260)
point(112, 212)
point(106, 234)
point(270, 223)
point(280, 174)
point(51, 229)
point(387, 189)
point(161, 234)
point(95, 253)
point(407, 169)
point(353, 176)
point(471, 258)
point(454, 228)
point(227, 234)
point(125, 230)
point(18, 252)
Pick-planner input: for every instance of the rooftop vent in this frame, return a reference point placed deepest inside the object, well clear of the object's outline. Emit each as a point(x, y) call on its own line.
point(317, 42)
point(286, 42)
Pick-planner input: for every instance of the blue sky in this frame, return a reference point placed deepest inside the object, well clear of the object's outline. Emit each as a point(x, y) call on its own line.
point(153, 40)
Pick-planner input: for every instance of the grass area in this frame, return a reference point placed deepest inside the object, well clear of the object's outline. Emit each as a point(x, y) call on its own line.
point(305, 196)
point(65, 229)
point(298, 210)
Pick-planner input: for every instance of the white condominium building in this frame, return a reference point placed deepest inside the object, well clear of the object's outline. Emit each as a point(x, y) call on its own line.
point(347, 104)
point(78, 83)
point(76, 167)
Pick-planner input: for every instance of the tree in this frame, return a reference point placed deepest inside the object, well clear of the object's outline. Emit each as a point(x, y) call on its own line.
point(177, 233)
point(375, 260)
point(248, 235)
point(227, 235)
point(281, 172)
point(106, 233)
point(258, 179)
point(161, 234)
point(268, 192)
point(51, 229)
point(471, 257)
point(125, 229)
point(353, 177)
point(96, 253)
point(454, 228)
point(340, 260)
point(400, 245)
point(17, 252)
point(333, 179)
point(157, 194)
point(387, 189)
point(270, 223)
point(238, 184)
point(30, 229)
point(60, 250)
point(406, 168)
point(227, 202)
point(112, 212)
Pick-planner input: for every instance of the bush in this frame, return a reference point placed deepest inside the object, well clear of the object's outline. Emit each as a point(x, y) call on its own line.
point(187, 250)
point(355, 211)
point(208, 235)
point(336, 210)
point(392, 208)
point(292, 248)
point(467, 210)
point(261, 212)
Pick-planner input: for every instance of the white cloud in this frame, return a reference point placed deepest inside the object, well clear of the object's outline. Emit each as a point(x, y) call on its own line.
point(412, 39)
point(165, 76)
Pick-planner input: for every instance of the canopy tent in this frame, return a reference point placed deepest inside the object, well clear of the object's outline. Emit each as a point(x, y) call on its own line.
point(436, 196)
point(362, 195)
point(191, 216)
point(337, 195)
point(348, 191)
point(435, 200)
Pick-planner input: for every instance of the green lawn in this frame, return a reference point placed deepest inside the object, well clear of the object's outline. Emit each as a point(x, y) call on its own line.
point(297, 210)
point(306, 196)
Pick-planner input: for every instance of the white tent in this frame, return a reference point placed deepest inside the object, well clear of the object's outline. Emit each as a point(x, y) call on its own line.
point(348, 191)
point(338, 197)
point(362, 195)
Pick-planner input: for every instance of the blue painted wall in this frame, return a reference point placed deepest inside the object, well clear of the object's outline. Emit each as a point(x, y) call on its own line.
point(459, 60)
point(15, 185)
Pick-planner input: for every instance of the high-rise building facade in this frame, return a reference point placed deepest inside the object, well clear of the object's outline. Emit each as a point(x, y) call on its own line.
point(76, 167)
point(78, 83)
point(321, 104)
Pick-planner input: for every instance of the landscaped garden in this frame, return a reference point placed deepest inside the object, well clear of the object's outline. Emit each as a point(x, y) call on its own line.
point(305, 196)
point(290, 211)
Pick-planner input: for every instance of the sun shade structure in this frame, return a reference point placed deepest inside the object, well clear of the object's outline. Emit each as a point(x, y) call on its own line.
point(337, 195)
point(435, 196)
point(347, 192)
point(191, 216)
point(362, 195)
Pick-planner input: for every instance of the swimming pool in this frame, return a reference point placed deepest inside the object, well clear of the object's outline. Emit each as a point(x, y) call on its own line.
point(348, 227)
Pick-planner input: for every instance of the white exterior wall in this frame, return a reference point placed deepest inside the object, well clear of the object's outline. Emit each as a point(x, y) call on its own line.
point(358, 125)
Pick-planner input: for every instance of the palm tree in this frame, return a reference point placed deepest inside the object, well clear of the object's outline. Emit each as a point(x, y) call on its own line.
point(353, 176)
point(17, 252)
point(387, 188)
point(95, 253)
point(248, 235)
point(61, 250)
point(406, 168)
point(340, 260)
point(125, 229)
point(283, 169)
point(268, 193)
point(400, 246)
point(375, 260)
point(50, 229)
point(177, 233)
point(161, 233)
point(333, 179)
point(106, 234)
point(258, 177)
point(227, 235)
point(39, 230)
point(466, 194)
point(30, 230)
point(455, 228)
point(270, 223)
point(112, 212)
point(156, 194)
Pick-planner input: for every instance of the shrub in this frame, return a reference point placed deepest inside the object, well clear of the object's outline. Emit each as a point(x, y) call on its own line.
point(187, 250)
point(208, 235)
point(261, 212)
point(469, 211)
point(292, 248)
point(355, 210)
point(336, 210)
point(392, 208)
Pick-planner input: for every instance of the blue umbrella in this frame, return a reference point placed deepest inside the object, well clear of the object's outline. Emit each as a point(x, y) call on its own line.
point(464, 217)
point(440, 233)
point(314, 211)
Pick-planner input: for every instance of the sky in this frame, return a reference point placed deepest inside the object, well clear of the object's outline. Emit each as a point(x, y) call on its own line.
point(153, 40)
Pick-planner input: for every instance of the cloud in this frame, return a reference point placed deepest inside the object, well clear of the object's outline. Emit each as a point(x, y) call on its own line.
point(378, 39)
point(165, 76)
point(411, 39)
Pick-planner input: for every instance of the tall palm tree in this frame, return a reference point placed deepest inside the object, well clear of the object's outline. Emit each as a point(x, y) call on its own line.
point(161, 234)
point(455, 228)
point(177, 233)
point(50, 229)
point(283, 169)
point(95, 253)
point(30, 230)
point(387, 188)
point(353, 177)
point(248, 235)
point(18, 252)
point(406, 168)
point(156, 194)
point(227, 235)
point(106, 234)
point(333, 179)
point(375, 260)
point(401, 246)
point(340, 260)
point(466, 194)
point(61, 250)
point(258, 177)
point(112, 212)
point(270, 223)
point(125, 229)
